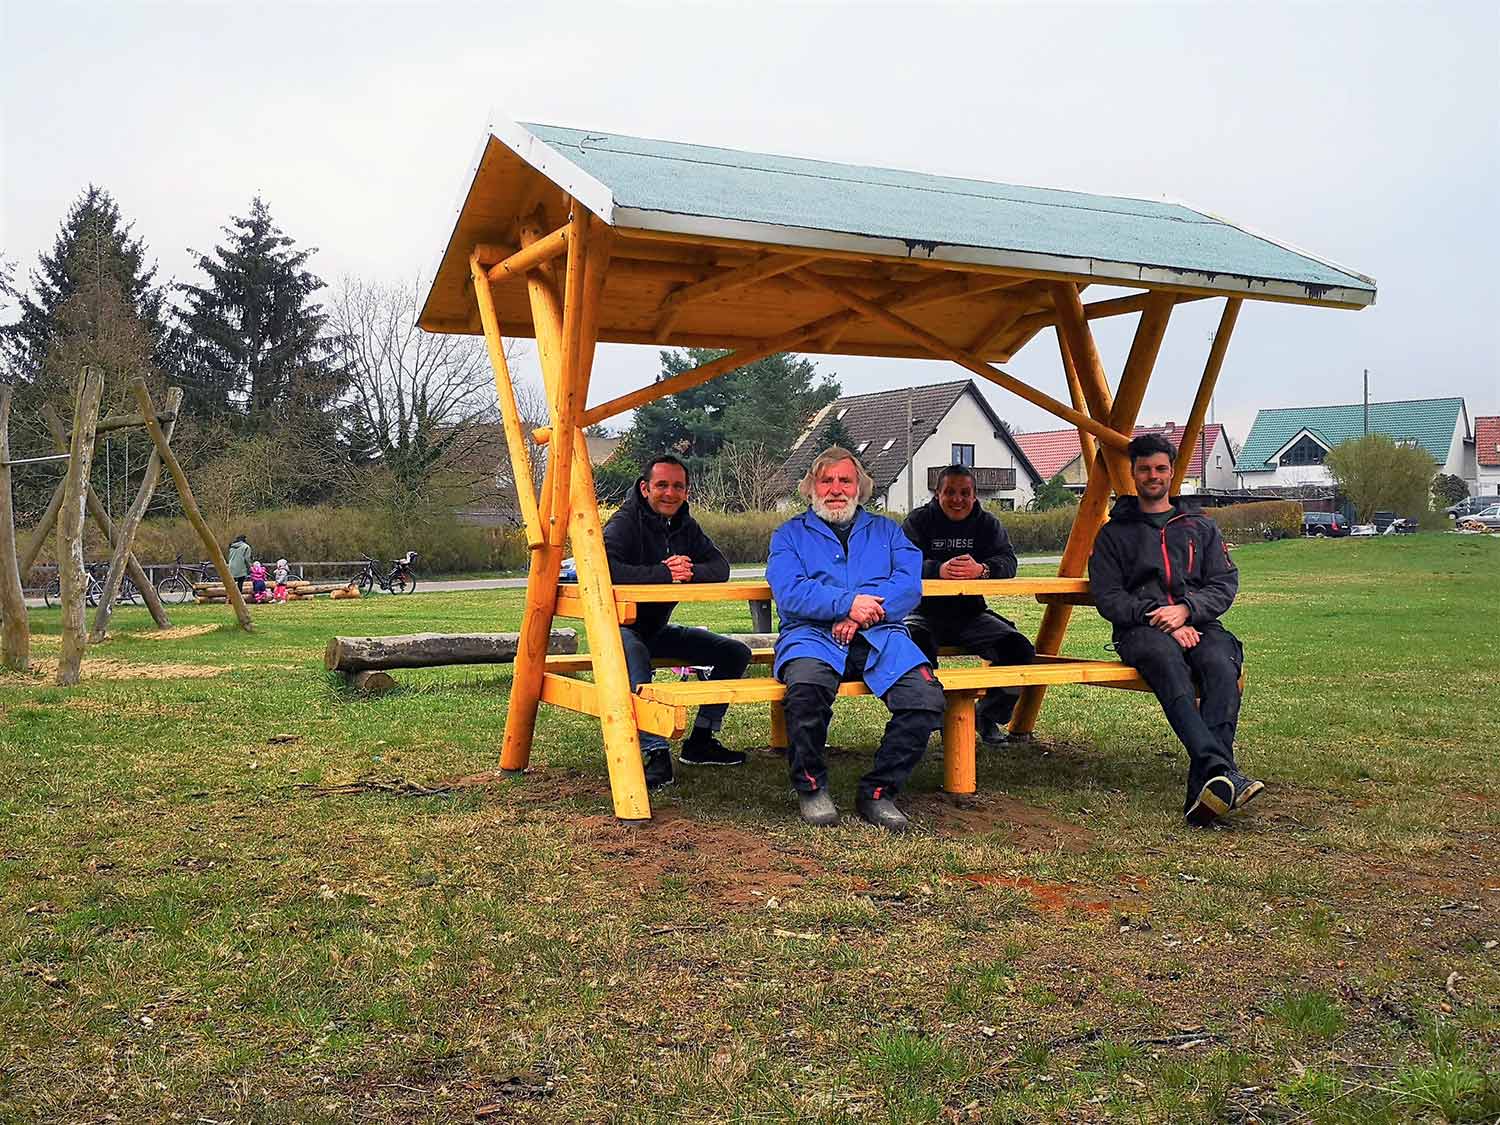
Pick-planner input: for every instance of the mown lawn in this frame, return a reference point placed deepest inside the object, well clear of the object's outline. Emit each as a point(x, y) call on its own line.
point(231, 892)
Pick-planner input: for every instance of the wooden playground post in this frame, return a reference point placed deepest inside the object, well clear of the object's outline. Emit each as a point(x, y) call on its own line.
point(125, 536)
point(15, 625)
point(72, 579)
point(190, 505)
point(1093, 509)
point(44, 528)
point(100, 516)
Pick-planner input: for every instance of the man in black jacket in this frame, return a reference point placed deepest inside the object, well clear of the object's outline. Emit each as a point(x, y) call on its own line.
point(959, 539)
point(1160, 573)
point(653, 538)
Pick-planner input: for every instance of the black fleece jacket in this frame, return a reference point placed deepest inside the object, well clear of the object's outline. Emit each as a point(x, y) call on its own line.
point(638, 540)
point(1136, 568)
point(979, 535)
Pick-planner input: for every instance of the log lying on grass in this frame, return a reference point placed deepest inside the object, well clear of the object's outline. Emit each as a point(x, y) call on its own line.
point(433, 650)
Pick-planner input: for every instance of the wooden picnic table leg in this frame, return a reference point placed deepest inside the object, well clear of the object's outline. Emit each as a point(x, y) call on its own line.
point(1093, 508)
point(958, 742)
point(779, 739)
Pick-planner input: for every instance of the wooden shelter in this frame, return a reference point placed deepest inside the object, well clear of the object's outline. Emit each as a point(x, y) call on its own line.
point(573, 237)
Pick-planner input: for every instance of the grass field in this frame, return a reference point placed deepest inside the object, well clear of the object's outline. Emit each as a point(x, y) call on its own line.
point(231, 892)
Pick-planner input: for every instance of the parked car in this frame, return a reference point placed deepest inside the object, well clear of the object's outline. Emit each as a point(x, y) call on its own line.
point(1324, 523)
point(1471, 505)
point(1487, 520)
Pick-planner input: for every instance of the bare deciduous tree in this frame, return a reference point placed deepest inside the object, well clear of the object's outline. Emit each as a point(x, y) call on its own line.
point(741, 478)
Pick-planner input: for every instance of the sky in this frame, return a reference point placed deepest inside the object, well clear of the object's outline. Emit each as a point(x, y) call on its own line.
point(1367, 134)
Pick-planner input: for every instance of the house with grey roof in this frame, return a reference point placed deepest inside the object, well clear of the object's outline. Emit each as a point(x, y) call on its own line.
point(1289, 446)
point(905, 437)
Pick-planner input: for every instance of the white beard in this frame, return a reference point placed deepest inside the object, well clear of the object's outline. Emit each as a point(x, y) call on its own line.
point(823, 513)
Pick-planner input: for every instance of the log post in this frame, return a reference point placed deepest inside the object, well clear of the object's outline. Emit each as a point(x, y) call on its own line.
point(1073, 330)
point(566, 399)
point(43, 529)
point(1093, 508)
point(1194, 426)
point(1086, 444)
point(190, 504)
point(72, 578)
point(125, 538)
point(15, 624)
point(958, 743)
point(100, 517)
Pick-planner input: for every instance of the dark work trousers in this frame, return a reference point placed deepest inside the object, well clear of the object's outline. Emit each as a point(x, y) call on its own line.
point(728, 658)
point(1212, 667)
point(986, 635)
point(915, 702)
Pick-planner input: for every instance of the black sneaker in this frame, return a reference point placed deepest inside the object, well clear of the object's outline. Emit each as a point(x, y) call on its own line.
point(659, 768)
point(882, 813)
point(990, 732)
point(702, 749)
point(1246, 789)
point(1214, 800)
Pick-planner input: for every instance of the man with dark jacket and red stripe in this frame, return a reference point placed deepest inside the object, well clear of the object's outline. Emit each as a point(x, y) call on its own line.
point(653, 538)
point(1161, 575)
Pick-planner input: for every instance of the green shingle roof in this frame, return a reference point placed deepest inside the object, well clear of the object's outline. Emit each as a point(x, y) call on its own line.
point(700, 189)
point(1427, 421)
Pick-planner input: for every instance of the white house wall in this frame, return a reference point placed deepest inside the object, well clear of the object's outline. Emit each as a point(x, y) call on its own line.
point(1218, 464)
point(965, 424)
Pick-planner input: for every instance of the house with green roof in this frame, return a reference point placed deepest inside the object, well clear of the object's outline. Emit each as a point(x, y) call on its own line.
point(1288, 446)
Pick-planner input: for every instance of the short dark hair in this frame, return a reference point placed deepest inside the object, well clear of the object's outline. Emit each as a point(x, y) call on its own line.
point(665, 459)
point(956, 470)
point(1148, 445)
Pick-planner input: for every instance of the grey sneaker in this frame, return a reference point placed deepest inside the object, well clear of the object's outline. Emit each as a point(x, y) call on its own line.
point(1246, 789)
point(817, 809)
point(882, 813)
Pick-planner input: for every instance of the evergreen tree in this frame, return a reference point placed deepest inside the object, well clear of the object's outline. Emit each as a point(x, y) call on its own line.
point(252, 338)
point(92, 241)
point(833, 432)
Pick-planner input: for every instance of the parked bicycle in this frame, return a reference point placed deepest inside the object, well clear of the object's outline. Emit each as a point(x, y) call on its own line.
point(398, 580)
point(177, 586)
point(95, 574)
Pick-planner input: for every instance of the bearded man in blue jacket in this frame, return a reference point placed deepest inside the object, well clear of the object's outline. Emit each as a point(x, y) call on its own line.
point(844, 581)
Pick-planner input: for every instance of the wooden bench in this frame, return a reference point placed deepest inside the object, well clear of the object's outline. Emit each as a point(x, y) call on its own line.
point(661, 708)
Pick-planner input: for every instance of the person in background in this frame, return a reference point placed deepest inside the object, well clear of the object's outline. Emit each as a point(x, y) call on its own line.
point(1161, 575)
point(239, 560)
point(257, 581)
point(280, 574)
point(959, 539)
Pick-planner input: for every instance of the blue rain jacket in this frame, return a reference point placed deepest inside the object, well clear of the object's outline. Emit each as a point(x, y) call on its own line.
point(814, 585)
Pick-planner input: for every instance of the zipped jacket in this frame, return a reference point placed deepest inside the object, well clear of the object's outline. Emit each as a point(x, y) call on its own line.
point(939, 538)
point(814, 581)
point(638, 540)
point(1137, 568)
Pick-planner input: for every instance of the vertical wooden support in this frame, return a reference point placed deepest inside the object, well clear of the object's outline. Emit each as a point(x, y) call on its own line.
point(190, 505)
point(125, 537)
point(71, 576)
point(1093, 508)
point(1194, 427)
point(779, 738)
point(15, 624)
point(44, 528)
point(100, 516)
point(565, 402)
point(1086, 443)
point(958, 743)
point(510, 414)
point(1073, 329)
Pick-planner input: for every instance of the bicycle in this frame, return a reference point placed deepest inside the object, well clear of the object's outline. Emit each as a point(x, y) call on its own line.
point(177, 587)
point(94, 588)
point(399, 580)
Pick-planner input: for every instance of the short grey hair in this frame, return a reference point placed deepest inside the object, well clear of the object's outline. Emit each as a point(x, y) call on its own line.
point(832, 456)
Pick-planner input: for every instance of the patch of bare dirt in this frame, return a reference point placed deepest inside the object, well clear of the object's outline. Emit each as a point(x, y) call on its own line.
point(1029, 827)
point(1060, 898)
point(537, 786)
point(721, 864)
point(176, 633)
point(101, 668)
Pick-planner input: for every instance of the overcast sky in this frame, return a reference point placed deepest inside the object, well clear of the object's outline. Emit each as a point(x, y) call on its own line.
point(1368, 134)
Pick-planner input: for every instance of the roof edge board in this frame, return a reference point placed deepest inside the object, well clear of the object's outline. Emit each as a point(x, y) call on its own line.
point(1291, 247)
point(536, 152)
point(1124, 273)
point(428, 280)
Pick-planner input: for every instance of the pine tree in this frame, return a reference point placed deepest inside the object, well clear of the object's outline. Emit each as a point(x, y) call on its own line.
point(93, 240)
point(833, 432)
point(252, 338)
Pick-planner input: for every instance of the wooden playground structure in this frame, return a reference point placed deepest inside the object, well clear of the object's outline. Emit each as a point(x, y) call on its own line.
point(576, 237)
point(71, 501)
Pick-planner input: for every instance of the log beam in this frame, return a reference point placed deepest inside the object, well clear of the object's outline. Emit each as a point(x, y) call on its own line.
point(761, 269)
point(529, 257)
point(1086, 444)
point(1194, 427)
point(432, 650)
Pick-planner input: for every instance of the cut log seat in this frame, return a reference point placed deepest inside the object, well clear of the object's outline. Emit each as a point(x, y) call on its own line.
point(432, 650)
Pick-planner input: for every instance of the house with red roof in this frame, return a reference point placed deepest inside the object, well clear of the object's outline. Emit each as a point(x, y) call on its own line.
point(1057, 451)
point(1487, 454)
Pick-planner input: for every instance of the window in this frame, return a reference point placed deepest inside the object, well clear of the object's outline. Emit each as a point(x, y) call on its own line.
point(1218, 460)
point(888, 443)
point(1007, 504)
point(840, 415)
point(1304, 452)
point(861, 447)
point(963, 455)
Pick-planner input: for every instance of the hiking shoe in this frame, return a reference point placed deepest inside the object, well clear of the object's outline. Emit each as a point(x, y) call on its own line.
point(882, 813)
point(659, 768)
point(990, 732)
point(1246, 789)
point(817, 809)
point(1214, 800)
point(702, 749)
